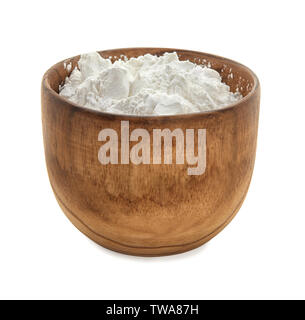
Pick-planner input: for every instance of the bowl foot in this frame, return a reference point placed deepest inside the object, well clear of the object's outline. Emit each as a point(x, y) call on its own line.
point(141, 251)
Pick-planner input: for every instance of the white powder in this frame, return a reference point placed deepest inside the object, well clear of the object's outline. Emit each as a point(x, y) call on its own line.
point(146, 85)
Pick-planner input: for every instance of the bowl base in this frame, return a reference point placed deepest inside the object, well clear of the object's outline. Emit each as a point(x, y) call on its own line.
point(141, 251)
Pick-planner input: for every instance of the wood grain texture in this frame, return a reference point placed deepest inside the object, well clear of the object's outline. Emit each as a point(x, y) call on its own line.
point(150, 209)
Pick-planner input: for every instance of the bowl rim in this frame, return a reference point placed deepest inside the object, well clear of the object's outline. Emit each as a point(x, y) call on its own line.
point(254, 90)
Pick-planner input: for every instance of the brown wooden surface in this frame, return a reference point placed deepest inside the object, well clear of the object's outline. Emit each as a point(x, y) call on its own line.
point(150, 209)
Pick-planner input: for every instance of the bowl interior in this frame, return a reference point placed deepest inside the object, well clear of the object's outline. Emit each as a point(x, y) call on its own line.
point(237, 76)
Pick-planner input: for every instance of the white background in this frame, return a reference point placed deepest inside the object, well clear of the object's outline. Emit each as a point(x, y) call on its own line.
point(260, 255)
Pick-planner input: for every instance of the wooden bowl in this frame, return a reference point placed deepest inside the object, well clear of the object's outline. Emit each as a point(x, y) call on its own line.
point(151, 209)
